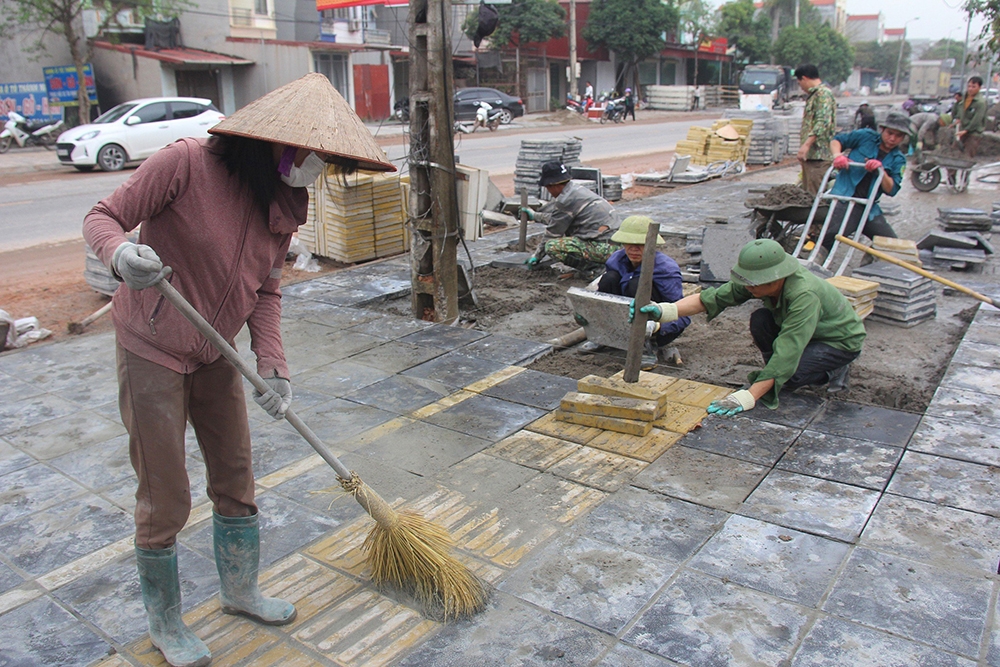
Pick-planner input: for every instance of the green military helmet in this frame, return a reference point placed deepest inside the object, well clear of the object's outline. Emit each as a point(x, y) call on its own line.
point(633, 231)
point(762, 261)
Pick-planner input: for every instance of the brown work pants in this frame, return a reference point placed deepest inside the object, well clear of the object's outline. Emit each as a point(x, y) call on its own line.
point(156, 404)
point(970, 144)
point(812, 174)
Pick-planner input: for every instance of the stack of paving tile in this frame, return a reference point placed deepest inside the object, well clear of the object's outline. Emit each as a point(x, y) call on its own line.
point(793, 128)
point(955, 250)
point(995, 215)
point(534, 154)
point(768, 137)
point(860, 293)
point(695, 143)
point(965, 220)
point(902, 249)
point(904, 298)
point(612, 187)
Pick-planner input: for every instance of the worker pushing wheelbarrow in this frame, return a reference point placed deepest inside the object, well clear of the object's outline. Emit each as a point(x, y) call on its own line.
point(927, 175)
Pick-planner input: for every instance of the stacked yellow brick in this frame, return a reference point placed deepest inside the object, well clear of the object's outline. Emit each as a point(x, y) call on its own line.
point(695, 144)
point(705, 146)
point(861, 293)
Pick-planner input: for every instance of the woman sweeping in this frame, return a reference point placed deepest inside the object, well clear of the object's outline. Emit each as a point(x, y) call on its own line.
point(220, 212)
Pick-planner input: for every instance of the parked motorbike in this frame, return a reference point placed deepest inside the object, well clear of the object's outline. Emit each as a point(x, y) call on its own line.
point(573, 105)
point(614, 110)
point(401, 110)
point(18, 129)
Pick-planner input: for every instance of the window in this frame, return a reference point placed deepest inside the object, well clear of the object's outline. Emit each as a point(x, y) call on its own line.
point(260, 7)
point(334, 67)
point(152, 113)
point(185, 109)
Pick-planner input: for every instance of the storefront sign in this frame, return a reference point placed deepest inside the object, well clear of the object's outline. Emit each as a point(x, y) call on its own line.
point(63, 83)
point(29, 99)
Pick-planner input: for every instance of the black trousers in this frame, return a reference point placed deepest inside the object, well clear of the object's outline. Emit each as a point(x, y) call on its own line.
point(818, 360)
point(877, 226)
point(611, 283)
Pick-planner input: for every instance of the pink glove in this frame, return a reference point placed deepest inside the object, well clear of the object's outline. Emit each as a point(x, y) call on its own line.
point(872, 165)
point(840, 162)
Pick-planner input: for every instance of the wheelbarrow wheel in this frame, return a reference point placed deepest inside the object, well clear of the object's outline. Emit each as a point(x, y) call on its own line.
point(925, 180)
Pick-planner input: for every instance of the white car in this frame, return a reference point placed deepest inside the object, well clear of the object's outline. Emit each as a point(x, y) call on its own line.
point(883, 88)
point(135, 130)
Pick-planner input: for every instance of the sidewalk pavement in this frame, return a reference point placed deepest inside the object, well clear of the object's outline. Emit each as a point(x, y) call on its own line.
point(823, 533)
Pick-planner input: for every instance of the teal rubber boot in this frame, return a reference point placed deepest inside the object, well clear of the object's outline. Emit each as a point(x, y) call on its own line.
point(237, 557)
point(161, 594)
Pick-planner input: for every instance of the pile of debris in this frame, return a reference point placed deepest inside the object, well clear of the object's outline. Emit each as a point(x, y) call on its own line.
point(904, 298)
point(787, 195)
point(958, 251)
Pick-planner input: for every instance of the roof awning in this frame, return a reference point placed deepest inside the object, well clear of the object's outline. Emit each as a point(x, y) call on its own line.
point(178, 56)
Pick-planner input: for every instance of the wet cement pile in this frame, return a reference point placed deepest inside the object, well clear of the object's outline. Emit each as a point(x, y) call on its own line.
point(989, 145)
point(781, 196)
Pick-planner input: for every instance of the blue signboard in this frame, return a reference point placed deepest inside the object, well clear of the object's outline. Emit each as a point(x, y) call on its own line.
point(30, 99)
point(63, 84)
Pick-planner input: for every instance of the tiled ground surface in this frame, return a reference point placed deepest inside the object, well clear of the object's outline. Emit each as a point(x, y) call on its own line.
point(824, 533)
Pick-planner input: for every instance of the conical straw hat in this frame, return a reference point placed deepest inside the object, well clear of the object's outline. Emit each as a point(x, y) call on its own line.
point(728, 132)
point(308, 113)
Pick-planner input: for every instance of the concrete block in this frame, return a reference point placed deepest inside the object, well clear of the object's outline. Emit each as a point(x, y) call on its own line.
point(720, 250)
point(610, 406)
point(853, 287)
point(603, 316)
point(595, 384)
point(630, 426)
point(654, 381)
point(939, 239)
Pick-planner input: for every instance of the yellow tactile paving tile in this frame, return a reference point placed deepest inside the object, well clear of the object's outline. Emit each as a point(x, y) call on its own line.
point(645, 448)
point(549, 425)
point(442, 404)
point(493, 536)
point(596, 468)
point(680, 418)
point(595, 384)
point(694, 393)
point(602, 423)
point(291, 471)
point(654, 381)
point(576, 501)
point(365, 629)
point(533, 450)
point(311, 587)
point(112, 661)
point(342, 548)
point(494, 379)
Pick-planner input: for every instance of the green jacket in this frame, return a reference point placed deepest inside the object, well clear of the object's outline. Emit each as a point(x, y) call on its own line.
point(809, 309)
point(972, 118)
point(819, 119)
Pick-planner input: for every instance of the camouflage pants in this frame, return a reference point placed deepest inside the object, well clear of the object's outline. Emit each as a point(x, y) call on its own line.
point(577, 253)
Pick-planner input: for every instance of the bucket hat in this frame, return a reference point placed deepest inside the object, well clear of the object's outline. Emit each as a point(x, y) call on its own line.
point(633, 231)
point(308, 113)
point(762, 261)
point(896, 121)
point(554, 173)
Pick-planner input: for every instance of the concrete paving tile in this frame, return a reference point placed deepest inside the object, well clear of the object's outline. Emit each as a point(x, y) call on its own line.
point(31, 489)
point(680, 418)
point(623, 655)
point(486, 417)
point(12, 459)
point(335, 295)
point(384, 285)
point(745, 439)
point(794, 566)
point(453, 369)
point(553, 499)
point(972, 378)
point(12, 389)
point(485, 478)
point(9, 579)
point(595, 583)
point(932, 605)
point(956, 440)
point(812, 505)
point(967, 486)
point(303, 399)
point(41, 633)
point(98, 466)
point(865, 422)
point(933, 534)
point(97, 384)
point(316, 312)
point(443, 335)
point(540, 390)
point(965, 406)
point(532, 450)
point(506, 350)
point(549, 425)
point(390, 327)
point(108, 410)
point(509, 632)
point(275, 447)
point(423, 449)
point(698, 394)
point(64, 434)
point(654, 525)
point(51, 538)
point(394, 356)
point(969, 353)
point(319, 490)
point(599, 469)
point(399, 394)
point(646, 448)
point(839, 459)
point(699, 620)
point(834, 642)
point(795, 410)
point(26, 412)
point(121, 494)
point(701, 477)
point(338, 421)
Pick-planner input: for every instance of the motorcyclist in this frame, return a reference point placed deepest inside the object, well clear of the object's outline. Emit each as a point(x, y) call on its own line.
point(482, 115)
point(629, 104)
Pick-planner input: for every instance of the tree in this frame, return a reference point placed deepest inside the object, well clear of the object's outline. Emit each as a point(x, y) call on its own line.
point(695, 20)
point(782, 14)
point(990, 11)
point(633, 29)
point(819, 45)
point(64, 18)
point(881, 58)
point(746, 30)
point(943, 49)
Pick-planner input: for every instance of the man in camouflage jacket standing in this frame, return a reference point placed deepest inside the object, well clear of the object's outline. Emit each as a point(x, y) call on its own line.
point(819, 123)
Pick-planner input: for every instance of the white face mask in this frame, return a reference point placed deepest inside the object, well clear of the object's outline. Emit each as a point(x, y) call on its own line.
point(311, 169)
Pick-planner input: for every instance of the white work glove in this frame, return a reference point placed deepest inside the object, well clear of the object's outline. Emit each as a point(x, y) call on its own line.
point(277, 399)
point(660, 312)
point(734, 404)
point(138, 266)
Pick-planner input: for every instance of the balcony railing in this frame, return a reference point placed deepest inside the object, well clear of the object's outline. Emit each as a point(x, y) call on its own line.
point(242, 17)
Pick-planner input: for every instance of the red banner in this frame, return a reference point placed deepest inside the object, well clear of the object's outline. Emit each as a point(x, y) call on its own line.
point(716, 45)
point(341, 4)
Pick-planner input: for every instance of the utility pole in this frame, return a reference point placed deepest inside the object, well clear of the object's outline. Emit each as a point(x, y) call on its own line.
point(965, 47)
point(573, 85)
point(899, 56)
point(797, 3)
point(433, 202)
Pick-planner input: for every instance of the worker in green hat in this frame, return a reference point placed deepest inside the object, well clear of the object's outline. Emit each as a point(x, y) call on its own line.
point(807, 331)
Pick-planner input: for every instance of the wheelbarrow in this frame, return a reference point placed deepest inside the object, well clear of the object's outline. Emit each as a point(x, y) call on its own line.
point(781, 223)
point(927, 175)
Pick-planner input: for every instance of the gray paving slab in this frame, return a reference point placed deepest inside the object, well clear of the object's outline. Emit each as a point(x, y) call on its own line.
point(943, 481)
point(390, 327)
point(701, 477)
point(64, 434)
point(969, 353)
point(743, 438)
point(865, 422)
point(972, 378)
point(534, 388)
point(31, 489)
point(482, 477)
point(384, 286)
point(9, 579)
point(339, 378)
point(338, 421)
point(394, 356)
point(109, 410)
point(786, 563)
point(934, 534)
point(834, 642)
point(422, 448)
point(932, 605)
point(43, 634)
point(700, 620)
point(442, 335)
point(795, 410)
point(53, 537)
point(812, 505)
point(324, 291)
point(506, 350)
point(296, 311)
point(652, 524)
point(400, 394)
point(987, 335)
point(12, 459)
point(599, 584)
point(623, 655)
point(956, 440)
point(965, 406)
point(12, 389)
point(28, 412)
point(275, 447)
point(453, 369)
point(510, 632)
point(486, 417)
point(838, 459)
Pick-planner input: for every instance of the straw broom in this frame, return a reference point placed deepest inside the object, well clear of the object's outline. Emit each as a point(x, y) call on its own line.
point(403, 548)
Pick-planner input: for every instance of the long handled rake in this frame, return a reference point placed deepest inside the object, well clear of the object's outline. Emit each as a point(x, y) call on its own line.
point(403, 548)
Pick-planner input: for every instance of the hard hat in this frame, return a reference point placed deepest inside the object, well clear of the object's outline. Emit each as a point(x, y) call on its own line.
point(633, 231)
point(762, 261)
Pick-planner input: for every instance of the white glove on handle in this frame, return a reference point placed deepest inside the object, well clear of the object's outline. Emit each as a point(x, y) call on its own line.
point(734, 404)
point(277, 399)
point(138, 265)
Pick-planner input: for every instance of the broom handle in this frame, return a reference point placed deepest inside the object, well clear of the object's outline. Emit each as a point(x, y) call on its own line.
point(220, 343)
point(916, 269)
